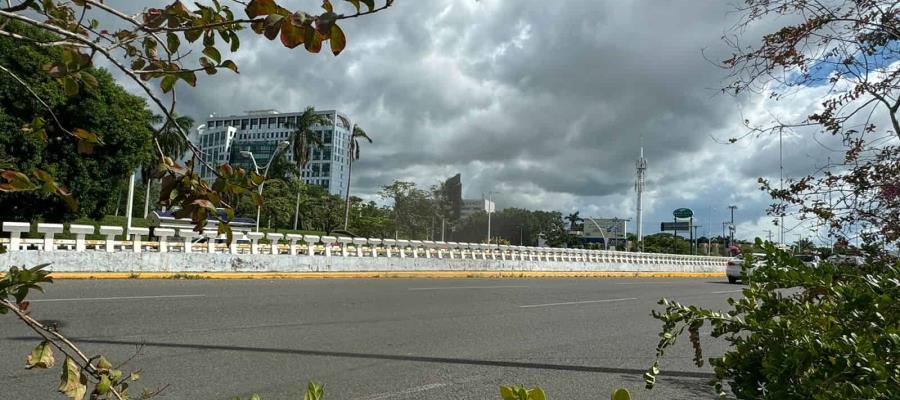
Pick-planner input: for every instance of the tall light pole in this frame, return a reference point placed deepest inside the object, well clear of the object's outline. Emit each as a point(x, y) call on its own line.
point(490, 209)
point(281, 146)
point(781, 171)
point(731, 240)
point(130, 205)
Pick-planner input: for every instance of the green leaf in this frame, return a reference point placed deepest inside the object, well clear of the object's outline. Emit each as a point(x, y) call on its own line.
point(192, 35)
point(213, 54)
point(172, 42)
point(370, 4)
point(103, 386)
point(621, 394)
point(70, 86)
point(167, 83)
point(257, 8)
point(312, 40)
point(235, 42)
point(230, 65)
point(82, 134)
point(40, 357)
point(507, 392)
point(338, 40)
point(189, 77)
point(103, 364)
point(73, 383)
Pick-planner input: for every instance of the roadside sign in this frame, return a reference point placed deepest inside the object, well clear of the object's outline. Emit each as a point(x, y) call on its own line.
point(675, 226)
point(683, 213)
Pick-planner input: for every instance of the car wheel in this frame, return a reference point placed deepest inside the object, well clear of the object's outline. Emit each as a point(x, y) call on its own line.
point(732, 279)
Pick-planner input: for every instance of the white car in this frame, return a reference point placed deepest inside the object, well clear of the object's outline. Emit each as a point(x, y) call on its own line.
point(848, 260)
point(809, 260)
point(734, 267)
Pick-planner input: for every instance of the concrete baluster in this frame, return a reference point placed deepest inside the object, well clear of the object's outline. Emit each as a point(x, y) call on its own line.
point(254, 241)
point(211, 236)
point(136, 233)
point(188, 235)
point(428, 245)
point(293, 238)
point(358, 243)
point(388, 246)
point(311, 241)
point(344, 241)
point(329, 242)
point(373, 246)
point(401, 245)
point(163, 234)
point(80, 231)
point(15, 230)
point(110, 232)
point(274, 238)
point(49, 230)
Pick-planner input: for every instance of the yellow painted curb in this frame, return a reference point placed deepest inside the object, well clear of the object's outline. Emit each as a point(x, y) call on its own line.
point(381, 274)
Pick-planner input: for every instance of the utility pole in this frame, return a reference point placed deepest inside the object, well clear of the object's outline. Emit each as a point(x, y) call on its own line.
point(781, 170)
point(696, 244)
point(768, 234)
point(732, 208)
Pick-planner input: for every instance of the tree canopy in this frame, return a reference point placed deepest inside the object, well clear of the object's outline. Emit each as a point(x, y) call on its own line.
point(96, 171)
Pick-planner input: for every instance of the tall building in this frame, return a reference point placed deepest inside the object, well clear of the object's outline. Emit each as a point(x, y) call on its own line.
point(222, 139)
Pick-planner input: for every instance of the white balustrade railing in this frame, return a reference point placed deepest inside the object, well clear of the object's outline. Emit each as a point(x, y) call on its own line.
point(188, 241)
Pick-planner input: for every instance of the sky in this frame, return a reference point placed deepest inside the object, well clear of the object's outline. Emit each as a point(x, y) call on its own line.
point(544, 103)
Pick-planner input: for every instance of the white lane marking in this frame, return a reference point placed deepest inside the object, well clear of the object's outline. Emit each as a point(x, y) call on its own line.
point(467, 287)
point(578, 302)
point(417, 389)
point(172, 296)
point(728, 291)
point(652, 283)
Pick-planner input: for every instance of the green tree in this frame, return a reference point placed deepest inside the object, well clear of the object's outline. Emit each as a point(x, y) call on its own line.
point(370, 220)
point(574, 219)
point(171, 143)
point(358, 133)
point(95, 173)
point(412, 209)
point(663, 242)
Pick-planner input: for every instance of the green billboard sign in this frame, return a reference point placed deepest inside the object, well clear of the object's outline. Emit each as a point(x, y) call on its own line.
point(683, 213)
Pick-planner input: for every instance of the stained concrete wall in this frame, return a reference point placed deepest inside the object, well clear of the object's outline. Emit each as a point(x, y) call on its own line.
point(98, 261)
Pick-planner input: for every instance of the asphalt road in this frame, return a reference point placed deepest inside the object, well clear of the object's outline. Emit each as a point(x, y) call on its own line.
point(370, 339)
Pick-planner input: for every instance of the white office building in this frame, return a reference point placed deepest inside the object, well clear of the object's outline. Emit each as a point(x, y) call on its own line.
point(222, 139)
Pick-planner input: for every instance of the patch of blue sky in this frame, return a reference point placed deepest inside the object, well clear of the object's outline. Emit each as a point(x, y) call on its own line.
point(822, 69)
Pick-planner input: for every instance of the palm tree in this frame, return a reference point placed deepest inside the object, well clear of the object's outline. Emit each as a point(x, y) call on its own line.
point(303, 140)
point(574, 219)
point(172, 144)
point(353, 156)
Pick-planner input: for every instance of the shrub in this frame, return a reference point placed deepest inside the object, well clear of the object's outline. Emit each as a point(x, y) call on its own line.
point(799, 332)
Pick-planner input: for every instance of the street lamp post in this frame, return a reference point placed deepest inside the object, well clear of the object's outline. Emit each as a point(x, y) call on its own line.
point(490, 209)
point(281, 146)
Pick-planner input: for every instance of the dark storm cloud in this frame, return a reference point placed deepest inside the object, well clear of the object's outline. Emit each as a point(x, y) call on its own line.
point(546, 100)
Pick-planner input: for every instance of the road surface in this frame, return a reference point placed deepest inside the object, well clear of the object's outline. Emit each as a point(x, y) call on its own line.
point(370, 339)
